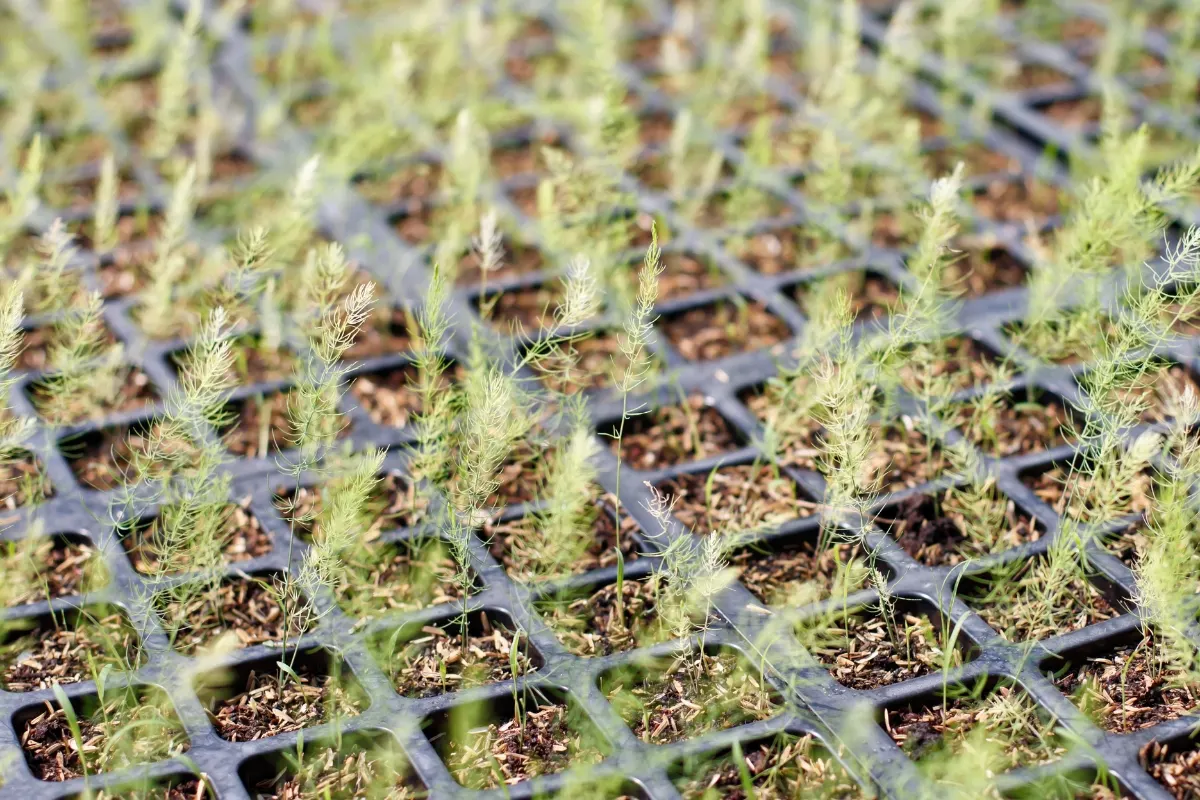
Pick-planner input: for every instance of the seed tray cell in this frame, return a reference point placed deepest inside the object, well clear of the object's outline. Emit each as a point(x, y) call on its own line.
point(812, 701)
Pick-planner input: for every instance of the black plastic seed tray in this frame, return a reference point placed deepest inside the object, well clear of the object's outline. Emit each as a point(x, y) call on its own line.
point(811, 700)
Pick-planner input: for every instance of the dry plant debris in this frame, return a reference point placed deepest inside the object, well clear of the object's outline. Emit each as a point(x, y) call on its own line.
point(687, 696)
point(541, 740)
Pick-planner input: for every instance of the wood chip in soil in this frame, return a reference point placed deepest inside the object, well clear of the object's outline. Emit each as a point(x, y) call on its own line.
point(194, 789)
point(723, 328)
point(22, 482)
point(788, 767)
point(261, 427)
point(238, 612)
point(1072, 493)
point(777, 252)
point(871, 296)
point(961, 363)
point(68, 654)
point(333, 775)
point(1015, 426)
point(1178, 772)
point(867, 652)
point(104, 462)
point(978, 272)
point(694, 694)
point(1038, 602)
point(674, 434)
point(391, 398)
point(134, 392)
point(438, 660)
point(925, 732)
point(541, 743)
point(241, 536)
point(49, 743)
point(590, 363)
point(933, 529)
point(405, 576)
point(794, 574)
point(1129, 689)
point(684, 274)
point(593, 625)
point(528, 310)
point(46, 569)
point(515, 260)
point(521, 547)
point(394, 503)
point(736, 499)
point(271, 703)
point(385, 333)
point(1028, 202)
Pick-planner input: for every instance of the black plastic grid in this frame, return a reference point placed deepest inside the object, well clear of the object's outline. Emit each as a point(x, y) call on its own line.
point(821, 706)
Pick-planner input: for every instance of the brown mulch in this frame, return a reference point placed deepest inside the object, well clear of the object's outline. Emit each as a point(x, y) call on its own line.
point(194, 789)
point(723, 328)
point(1055, 485)
point(1126, 691)
point(394, 503)
point(977, 159)
point(1021, 612)
point(687, 697)
point(104, 462)
point(674, 434)
point(777, 252)
point(1027, 201)
point(517, 545)
point(46, 569)
point(516, 260)
point(520, 476)
point(438, 660)
point(684, 274)
point(978, 272)
point(334, 775)
point(239, 613)
point(901, 458)
point(253, 362)
point(62, 654)
point(934, 729)
point(385, 333)
point(796, 574)
point(272, 703)
point(1160, 391)
point(871, 296)
point(1016, 426)
point(50, 745)
point(789, 767)
point(391, 398)
point(1179, 773)
point(592, 362)
point(736, 499)
point(411, 182)
point(398, 577)
point(22, 482)
point(933, 529)
point(242, 535)
point(528, 310)
point(595, 625)
point(962, 363)
point(261, 427)
point(863, 652)
point(1074, 114)
point(135, 392)
point(541, 742)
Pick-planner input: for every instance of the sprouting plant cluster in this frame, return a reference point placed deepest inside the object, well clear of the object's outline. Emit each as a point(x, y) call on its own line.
point(599, 399)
